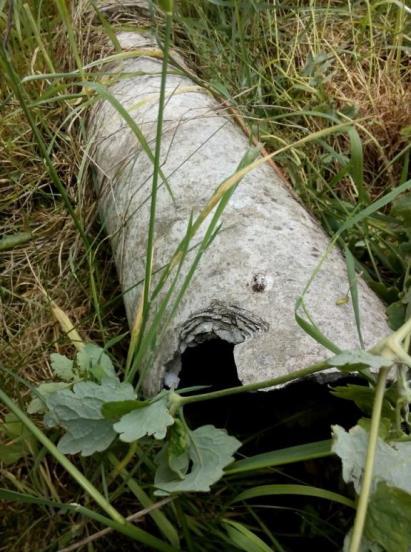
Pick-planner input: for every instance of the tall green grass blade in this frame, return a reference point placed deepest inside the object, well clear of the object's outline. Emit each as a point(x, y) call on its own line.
point(352, 280)
point(193, 227)
point(156, 172)
point(67, 20)
point(300, 490)
point(312, 329)
point(405, 166)
point(97, 63)
point(377, 205)
point(14, 9)
point(366, 483)
point(138, 351)
point(357, 164)
point(266, 460)
point(212, 228)
point(39, 40)
point(243, 538)
point(179, 256)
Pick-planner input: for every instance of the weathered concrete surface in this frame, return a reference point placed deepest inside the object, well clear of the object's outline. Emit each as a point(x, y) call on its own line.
point(247, 283)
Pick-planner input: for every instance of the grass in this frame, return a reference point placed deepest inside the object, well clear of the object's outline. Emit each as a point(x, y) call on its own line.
point(288, 72)
point(327, 58)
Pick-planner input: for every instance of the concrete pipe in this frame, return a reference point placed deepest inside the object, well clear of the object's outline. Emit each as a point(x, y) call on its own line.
point(246, 286)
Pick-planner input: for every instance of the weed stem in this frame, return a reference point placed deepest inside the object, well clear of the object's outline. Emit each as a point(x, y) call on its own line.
point(318, 367)
point(369, 462)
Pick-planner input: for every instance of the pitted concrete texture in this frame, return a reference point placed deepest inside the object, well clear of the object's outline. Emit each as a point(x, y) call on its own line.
point(247, 283)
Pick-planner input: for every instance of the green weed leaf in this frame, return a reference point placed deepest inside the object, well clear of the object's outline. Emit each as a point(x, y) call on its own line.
point(62, 367)
point(399, 311)
point(384, 430)
point(392, 462)
point(358, 360)
point(93, 360)
point(366, 545)
point(78, 411)
point(389, 518)
point(38, 405)
point(153, 419)
point(210, 451)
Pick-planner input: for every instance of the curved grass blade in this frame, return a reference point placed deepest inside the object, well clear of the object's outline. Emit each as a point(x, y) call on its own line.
point(290, 455)
point(301, 490)
point(357, 164)
point(352, 280)
point(312, 329)
point(243, 538)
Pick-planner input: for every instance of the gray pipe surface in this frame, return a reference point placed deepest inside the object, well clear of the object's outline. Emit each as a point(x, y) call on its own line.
point(246, 286)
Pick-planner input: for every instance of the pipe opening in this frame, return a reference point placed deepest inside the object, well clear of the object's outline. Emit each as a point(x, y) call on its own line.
point(301, 412)
point(210, 363)
point(263, 421)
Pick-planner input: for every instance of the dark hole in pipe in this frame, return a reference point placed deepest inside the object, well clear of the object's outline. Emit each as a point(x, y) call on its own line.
point(211, 363)
point(264, 421)
point(298, 406)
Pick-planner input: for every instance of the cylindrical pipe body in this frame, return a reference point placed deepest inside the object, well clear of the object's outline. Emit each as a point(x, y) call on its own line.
point(247, 283)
